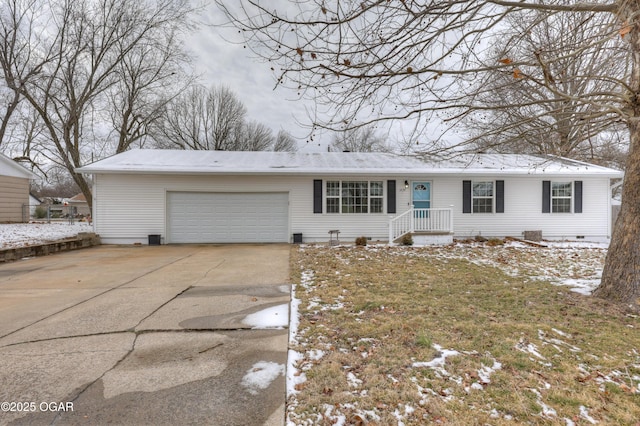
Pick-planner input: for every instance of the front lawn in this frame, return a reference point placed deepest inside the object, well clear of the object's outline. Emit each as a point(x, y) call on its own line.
point(464, 334)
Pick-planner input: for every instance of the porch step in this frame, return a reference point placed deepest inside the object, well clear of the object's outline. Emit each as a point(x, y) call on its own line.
point(430, 221)
point(414, 233)
point(432, 238)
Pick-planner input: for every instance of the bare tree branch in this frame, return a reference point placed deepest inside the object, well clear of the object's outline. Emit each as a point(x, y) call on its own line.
point(72, 60)
point(416, 60)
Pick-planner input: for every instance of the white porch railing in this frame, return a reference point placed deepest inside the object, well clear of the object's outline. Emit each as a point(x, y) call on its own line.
point(421, 220)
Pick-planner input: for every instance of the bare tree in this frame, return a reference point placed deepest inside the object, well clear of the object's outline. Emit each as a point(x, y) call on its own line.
point(214, 119)
point(202, 120)
point(379, 60)
point(71, 57)
point(184, 122)
point(359, 139)
point(284, 142)
point(147, 80)
point(251, 136)
point(58, 185)
point(228, 113)
point(523, 115)
point(25, 138)
point(22, 55)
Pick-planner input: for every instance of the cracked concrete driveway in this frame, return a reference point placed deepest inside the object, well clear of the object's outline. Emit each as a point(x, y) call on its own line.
point(145, 335)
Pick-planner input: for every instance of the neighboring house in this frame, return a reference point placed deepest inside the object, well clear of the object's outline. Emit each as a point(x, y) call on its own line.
point(14, 191)
point(230, 197)
point(54, 206)
point(78, 204)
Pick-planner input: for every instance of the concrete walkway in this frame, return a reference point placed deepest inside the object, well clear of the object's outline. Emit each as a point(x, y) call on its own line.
point(144, 336)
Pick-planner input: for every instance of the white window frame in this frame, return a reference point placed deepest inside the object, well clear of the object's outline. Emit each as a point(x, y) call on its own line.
point(483, 197)
point(340, 196)
point(561, 197)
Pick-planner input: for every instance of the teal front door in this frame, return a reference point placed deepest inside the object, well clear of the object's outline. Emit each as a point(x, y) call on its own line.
point(421, 196)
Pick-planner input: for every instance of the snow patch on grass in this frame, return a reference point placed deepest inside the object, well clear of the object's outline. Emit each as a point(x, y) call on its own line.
point(438, 362)
point(527, 347)
point(584, 413)
point(547, 412)
point(16, 235)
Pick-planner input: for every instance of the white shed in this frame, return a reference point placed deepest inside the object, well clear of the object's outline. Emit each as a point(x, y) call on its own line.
point(265, 197)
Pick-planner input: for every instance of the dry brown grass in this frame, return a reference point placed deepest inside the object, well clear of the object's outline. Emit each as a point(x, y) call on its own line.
point(368, 314)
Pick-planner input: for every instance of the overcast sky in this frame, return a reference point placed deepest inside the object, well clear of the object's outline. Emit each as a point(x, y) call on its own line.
point(219, 61)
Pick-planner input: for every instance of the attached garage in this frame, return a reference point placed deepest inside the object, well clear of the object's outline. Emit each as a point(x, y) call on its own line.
point(225, 217)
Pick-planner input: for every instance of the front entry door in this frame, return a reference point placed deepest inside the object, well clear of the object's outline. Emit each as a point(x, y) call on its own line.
point(421, 197)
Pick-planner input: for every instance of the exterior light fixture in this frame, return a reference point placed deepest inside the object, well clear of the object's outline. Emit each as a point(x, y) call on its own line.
point(406, 184)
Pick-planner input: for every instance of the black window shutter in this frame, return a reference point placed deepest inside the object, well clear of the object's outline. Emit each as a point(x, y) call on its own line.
point(546, 196)
point(499, 196)
point(391, 196)
point(466, 196)
point(577, 200)
point(317, 195)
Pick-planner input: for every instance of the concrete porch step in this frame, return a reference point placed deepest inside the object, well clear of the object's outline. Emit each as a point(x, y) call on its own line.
point(432, 238)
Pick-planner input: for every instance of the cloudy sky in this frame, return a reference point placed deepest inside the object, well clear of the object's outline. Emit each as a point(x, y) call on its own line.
point(220, 61)
point(221, 58)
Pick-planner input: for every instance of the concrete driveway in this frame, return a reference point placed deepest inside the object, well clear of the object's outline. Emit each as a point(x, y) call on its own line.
point(145, 335)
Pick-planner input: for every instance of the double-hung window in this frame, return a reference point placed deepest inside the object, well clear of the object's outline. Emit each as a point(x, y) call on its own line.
point(561, 197)
point(482, 197)
point(333, 197)
point(354, 196)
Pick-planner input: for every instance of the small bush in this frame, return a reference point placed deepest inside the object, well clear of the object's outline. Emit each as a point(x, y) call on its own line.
point(361, 241)
point(407, 240)
point(41, 212)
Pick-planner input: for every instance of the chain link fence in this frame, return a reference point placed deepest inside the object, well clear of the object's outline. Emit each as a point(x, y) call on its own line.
point(56, 213)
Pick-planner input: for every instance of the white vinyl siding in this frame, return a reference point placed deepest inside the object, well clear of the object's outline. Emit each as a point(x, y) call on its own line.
point(127, 208)
point(523, 210)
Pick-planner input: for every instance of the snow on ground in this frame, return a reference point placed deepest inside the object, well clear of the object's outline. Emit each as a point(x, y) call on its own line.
point(261, 375)
point(28, 234)
point(439, 361)
point(273, 317)
point(574, 264)
point(578, 265)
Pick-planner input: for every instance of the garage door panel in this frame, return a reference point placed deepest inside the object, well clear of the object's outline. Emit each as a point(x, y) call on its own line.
point(194, 217)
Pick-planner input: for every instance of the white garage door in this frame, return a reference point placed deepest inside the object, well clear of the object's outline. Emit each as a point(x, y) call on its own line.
point(196, 217)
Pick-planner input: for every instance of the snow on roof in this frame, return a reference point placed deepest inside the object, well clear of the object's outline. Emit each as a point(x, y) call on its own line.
point(78, 198)
point(9, 167)
point(267, 162)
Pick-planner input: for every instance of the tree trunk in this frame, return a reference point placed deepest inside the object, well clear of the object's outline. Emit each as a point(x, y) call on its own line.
point(84, 187)
point(621, 275)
